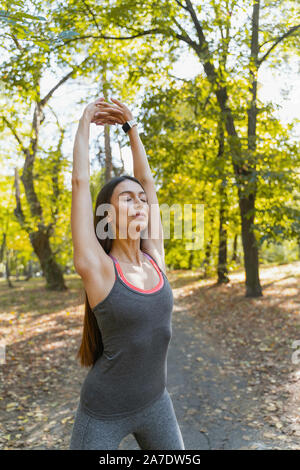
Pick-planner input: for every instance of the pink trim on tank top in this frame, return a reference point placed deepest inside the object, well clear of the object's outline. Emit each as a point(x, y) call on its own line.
point(149, 291)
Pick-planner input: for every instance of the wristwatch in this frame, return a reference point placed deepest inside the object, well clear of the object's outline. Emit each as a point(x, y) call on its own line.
point(128, 125)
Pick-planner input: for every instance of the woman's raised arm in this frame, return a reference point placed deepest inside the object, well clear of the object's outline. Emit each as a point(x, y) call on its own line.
point(154, 244)
point(87, 251)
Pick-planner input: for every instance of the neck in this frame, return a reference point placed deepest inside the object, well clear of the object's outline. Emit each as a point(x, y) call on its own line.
point(127, 251)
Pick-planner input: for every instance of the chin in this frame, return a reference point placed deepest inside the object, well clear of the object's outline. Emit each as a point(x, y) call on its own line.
point(142, 223)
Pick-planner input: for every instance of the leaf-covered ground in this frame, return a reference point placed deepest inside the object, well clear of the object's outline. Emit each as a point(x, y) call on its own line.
point(233, 368)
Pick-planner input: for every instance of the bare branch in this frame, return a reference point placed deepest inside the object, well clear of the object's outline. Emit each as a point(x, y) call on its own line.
point(119, 38)
point(278, 40)
point(179, 78)
point(14, 132)
point(63, 80)
point(92, 14)
point(182, 6)
point(16, 42)
point(184, 35)
point(196, 22)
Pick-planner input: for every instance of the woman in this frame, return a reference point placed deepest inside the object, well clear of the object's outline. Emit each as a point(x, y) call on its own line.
point(128, 302)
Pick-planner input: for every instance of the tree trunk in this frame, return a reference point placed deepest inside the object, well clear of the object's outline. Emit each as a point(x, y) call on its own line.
point(207, 257)
point(28, 271)
point(7, 270)
point(51, 270)
point(39, 238)
point(191, 258)
point(208, 249)
point(243, 171)
point(247, 204)
point(253, 288)
point(222, 259)
point(234, 253)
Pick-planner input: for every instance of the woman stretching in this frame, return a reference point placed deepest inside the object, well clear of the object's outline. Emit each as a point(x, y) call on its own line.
point(128, 299)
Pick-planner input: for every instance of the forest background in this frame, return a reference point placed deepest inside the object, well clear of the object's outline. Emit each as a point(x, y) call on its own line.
point(214, 86)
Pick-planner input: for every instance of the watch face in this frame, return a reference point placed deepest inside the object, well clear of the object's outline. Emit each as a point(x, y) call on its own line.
point(126, 127)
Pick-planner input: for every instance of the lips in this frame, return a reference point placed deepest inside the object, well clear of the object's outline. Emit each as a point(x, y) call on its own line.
point(139, 214)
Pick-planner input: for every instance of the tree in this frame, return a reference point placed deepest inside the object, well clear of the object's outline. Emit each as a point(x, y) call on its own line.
point(34, 221)
point(164, 17)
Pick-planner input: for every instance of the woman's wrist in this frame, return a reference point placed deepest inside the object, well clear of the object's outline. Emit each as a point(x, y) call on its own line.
point(85, 118)
point(84, 126)
point(133, 131)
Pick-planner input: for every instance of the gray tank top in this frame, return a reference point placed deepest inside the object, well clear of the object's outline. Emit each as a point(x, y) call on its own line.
point(136, 329)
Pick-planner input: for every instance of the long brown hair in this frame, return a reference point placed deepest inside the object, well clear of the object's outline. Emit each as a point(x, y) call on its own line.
point(91, 347)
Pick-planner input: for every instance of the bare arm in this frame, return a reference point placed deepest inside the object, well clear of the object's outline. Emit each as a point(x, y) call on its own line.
point(141, 168)
point(88, 254)
point(154, 244)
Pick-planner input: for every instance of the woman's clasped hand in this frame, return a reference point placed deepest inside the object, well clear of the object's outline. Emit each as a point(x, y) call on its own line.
point(100, 112)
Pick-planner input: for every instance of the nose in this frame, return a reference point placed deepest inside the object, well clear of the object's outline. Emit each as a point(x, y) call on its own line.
point(139, 206)
point(138, 202)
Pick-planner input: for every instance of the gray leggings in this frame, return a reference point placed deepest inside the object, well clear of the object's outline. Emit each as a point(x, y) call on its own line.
point(154, 428)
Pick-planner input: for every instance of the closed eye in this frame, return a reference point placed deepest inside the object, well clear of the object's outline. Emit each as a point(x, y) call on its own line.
point(143, 200)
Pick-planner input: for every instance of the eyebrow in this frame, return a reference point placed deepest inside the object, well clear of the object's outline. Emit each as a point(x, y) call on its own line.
point(131, 192)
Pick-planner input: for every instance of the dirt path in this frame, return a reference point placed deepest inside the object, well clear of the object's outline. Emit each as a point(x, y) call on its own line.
point(230, 373)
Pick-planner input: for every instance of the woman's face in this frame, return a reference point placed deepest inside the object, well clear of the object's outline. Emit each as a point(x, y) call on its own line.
point(128, 199)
